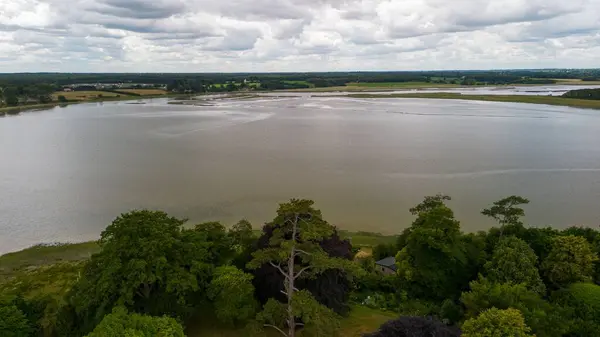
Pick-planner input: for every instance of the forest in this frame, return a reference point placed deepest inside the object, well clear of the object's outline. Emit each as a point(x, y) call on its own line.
point(155, 275)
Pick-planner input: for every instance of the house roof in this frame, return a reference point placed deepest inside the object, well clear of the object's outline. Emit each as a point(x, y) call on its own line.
point(389, 262)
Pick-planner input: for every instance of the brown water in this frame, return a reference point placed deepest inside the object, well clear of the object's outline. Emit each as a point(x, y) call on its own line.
point(67, 172)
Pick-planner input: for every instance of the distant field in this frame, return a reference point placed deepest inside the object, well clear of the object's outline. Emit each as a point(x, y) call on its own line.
point(402, 85)
point(145, 92)
point(379, 86)
point(45, 255)
point(550, 100)
point(367, 239)
point(84, 95)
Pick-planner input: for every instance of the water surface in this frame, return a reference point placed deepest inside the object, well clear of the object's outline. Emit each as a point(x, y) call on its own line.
point(66, 173)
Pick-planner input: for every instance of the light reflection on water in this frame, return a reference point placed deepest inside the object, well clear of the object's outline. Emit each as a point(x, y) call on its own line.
point(67, 172)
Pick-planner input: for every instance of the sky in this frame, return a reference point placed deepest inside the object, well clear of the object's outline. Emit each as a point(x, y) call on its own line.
point(296, 35)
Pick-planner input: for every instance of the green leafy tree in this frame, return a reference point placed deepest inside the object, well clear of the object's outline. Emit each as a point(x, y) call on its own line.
point(232, 293)
point(571, 260)
point(513, 261)
point(62, 99)
point(545, 319)
point(241, 234)
point(295, 252)
point(497, 323)
point(120, 323)
point(13, 322)
point(433, 263)
point(148, 263)
point(507, 211)
point(11, 97)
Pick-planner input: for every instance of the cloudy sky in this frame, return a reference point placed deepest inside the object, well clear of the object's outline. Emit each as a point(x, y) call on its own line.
point(296, 35)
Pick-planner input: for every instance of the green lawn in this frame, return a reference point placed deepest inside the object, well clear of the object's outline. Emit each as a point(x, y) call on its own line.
point(550, 100)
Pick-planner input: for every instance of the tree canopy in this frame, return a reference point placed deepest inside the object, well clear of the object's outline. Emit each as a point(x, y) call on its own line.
point(433, 263)
point(497, 323)
point(513, 261)
point(571, 260)
point(119, 323)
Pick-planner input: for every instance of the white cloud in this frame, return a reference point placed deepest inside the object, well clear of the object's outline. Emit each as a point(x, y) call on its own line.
point(289, 35)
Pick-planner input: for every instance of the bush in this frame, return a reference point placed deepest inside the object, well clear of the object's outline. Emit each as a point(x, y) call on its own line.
point(497, 323)
point(407, 326)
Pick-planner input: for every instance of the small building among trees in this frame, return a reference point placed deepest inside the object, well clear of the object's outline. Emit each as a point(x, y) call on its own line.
point(386, 266)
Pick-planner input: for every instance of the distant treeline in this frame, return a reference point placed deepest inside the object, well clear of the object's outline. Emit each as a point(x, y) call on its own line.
point(584, 94)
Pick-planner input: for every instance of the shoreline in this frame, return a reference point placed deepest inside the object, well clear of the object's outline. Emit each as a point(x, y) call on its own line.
point(526, 99)
point(354, 91)
point(15, 110)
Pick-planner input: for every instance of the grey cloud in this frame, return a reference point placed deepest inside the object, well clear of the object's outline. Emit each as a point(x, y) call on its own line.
point(141, 9)
point(235, 40)
point(291, 35)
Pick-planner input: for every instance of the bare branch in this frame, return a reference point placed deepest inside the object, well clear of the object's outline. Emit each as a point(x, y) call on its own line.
point(300, 272)
point(283, 292)
point(276, 328)
point(278, 266)
point(303, 252)
point(299, 324)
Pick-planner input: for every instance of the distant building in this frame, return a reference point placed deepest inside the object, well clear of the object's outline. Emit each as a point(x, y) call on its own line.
point(386, 266)
point(67, 89)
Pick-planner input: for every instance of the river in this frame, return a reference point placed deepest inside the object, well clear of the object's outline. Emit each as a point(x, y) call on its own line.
point(66, 173)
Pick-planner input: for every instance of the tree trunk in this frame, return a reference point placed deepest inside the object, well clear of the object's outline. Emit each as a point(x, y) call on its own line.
point(290, 284)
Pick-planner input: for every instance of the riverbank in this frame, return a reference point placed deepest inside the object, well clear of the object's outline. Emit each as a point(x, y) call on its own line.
point(548, 100)
point(14, 110)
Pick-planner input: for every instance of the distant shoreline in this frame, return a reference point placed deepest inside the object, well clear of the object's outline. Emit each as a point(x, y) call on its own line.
point(529, 99)
point(357, 91)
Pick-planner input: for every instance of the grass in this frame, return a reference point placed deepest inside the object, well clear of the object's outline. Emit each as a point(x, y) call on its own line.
point(42, 255)
point(360, 320)
point(84, 95)
point(549, 100)
point(403, 85)
point(145, 92)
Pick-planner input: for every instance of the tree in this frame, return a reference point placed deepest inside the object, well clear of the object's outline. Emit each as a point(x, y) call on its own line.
point(148, 263)
point(13, 322)
point(497, 323)
point(571, 260)
point(513, 261)
point(433, 263)
point(545, 319)
point(506, 211)
point(331, 288)
point(232, 294)
point(384, 250)
point(10, 96)
point(121, 323)
point(241, 234)
point(407, 326)
point(62, 99)
point(294, 251)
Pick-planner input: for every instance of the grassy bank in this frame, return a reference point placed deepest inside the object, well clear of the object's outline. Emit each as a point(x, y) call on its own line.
point(80, 97)
point(378, 86)
point(42, 255)
point(549, 100)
